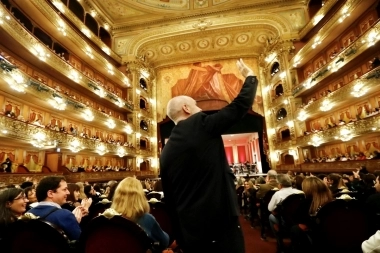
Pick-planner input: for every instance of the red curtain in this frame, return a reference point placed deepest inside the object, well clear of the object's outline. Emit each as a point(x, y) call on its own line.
point(241, 154)
point(229, 154)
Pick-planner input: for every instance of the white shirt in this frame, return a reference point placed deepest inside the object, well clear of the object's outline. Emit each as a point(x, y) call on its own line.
point(372, 245)
point(280, 196)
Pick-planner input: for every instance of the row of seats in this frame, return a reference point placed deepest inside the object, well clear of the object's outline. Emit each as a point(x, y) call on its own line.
point(100, 235)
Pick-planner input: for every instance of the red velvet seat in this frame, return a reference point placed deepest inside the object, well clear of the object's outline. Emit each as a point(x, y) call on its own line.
point(286, 209)
point(264, 217)
point(35, 236)
point(341, 226)
point(115, 235)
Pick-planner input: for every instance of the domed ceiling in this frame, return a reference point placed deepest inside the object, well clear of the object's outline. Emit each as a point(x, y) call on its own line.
point(168, 32)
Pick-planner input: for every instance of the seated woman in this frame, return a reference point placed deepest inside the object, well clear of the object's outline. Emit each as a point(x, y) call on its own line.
point(72, 200)
point(12, 205)
point(317, 194)
point(129, 200)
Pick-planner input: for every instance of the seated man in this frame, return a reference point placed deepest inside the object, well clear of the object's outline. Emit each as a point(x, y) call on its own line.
point(285, 186)
point(271, 183)
point(51, 194)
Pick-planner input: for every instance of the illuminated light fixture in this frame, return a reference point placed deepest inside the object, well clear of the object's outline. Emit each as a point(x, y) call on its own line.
point(290, 123)
point(16, 81)
point(326, 105)
point(373, 37)
point(374, 128)
point(75, 76)
point(128, 129)
point(145, 73)
point(126, 81)
point(38, 140)
point(308, 83)
point(153, 139)
point(138, 92)
point(283, 74)
point(302, 115)
point(317, 19)
point(59, 6)
point(359, 90)
point(106, 26)
point(138, 135)
point(286, 101)
point(153, 122)
point(267, 89)
point(1, 18)
point(270, 57)
point(110, 69)
point(110, 123)
point(152, 100)
point(93, 13)
point(57, 102)
point(4, 131)
point(75, 145)
point(101, 149)
point(89, 52)
point(293, 153)
point(344, 135)
point(61, 27)
point(88, 115)
point(315, 141)
point(121, 152)
point(138, 115)
point(39, 51)
point(100, 92)
point(119, 103)
point(296, 60)
point(106, 50)
point(344, 14)
point(86, 32)
point(271, 131)
point(317, 41)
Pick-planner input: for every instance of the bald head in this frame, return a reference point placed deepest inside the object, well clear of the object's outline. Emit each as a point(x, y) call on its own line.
point(181, 107)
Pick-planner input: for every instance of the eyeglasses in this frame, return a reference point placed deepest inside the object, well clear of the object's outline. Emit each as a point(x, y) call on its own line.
point(21, 197)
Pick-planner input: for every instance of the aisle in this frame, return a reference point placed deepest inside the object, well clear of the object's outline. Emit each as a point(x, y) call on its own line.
point(253, 243)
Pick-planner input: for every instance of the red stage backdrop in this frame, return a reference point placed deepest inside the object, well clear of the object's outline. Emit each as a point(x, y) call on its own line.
point(241, 154)
point(229, 154)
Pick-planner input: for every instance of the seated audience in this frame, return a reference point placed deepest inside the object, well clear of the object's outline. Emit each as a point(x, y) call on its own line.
point(317, 194)
point(372, 245)
point(30, 193)
point(285, 185)
point(271, 182)
point(72, 200)
point(51, 194)
point(129, 200)
point(336, 183)
point(12, 205)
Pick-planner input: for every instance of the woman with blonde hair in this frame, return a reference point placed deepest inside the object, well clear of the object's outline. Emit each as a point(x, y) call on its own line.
point(129, 200)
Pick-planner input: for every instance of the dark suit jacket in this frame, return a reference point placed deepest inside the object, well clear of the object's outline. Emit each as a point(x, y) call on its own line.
point(197, 181)
point(264, 188)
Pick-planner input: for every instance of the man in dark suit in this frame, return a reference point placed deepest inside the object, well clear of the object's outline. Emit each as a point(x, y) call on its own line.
point(197, 181)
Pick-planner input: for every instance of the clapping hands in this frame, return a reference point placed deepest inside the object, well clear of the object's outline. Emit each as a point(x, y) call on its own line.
point(244, 69)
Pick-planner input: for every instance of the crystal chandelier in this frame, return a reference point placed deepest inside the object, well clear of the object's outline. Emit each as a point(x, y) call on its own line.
point(315, 141)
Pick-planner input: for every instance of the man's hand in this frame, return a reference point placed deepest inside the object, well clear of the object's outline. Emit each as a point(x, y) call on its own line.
point(244, 69)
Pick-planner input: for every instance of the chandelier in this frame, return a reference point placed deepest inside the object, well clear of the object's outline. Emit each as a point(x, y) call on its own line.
point(121, 151)
point(344, 135)
point(315, 141)
point(128, 129)
point(326, 105)
point(110, 123)
point(101, 149)
point(75, 145)
point(57, 102)
point(39, 140)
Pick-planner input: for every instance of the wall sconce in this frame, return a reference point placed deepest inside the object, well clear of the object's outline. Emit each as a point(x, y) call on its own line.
point(110, 69)
point(57, 102)
point(88, 115)
point(138, 135)
point(128, 129)
point(39, 51)
point(315, 141)
point(344, 135)
point(359, 90)
point(317, 41)
point(100, 92)
point(75, 145)
point(121, 152)
point(89, 52)
point(138, 92)
point(317, 19)
point(101, 149)
point(373, 37)
point(326, 105)
point(61, 27)
point(16, 81)
point(75, 76)
point(106, 50)
point(290, 123)
point(283, 74)
point(293, 153)
point(344, 14)
point(59, 5)
point(86, 32)
point(110, 123)
point(302, 115)
point(126, 81)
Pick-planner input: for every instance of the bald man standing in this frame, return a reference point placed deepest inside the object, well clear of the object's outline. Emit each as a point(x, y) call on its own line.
point(197, 181)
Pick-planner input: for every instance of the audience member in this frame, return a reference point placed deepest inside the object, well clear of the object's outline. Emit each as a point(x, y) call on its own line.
point(51, 194)
point(30, 193)
point(12, 205)
point(130, 201)
point(271, 183)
